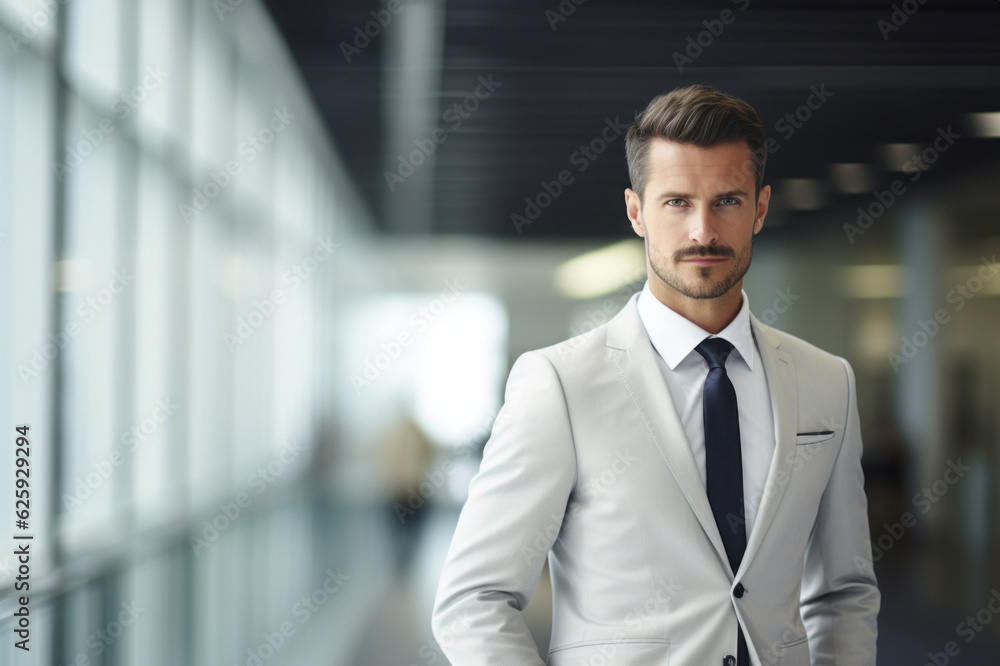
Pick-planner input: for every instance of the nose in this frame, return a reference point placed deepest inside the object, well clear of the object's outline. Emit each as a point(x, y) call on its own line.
point(703, 230)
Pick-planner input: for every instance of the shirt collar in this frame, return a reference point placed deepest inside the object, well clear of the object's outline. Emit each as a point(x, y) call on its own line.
point(674, 336)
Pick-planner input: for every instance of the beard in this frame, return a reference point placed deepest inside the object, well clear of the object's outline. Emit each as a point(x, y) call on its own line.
point(702, 286)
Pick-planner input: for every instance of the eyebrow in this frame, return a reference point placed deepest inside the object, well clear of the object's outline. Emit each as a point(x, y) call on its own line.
point(682, 195)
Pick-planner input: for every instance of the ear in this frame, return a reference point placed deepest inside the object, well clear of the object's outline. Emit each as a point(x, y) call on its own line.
point(763, 201)
point(633, 208)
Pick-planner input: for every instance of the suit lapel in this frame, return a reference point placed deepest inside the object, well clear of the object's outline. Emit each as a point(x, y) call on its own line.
point(779, 368)
point(635, 360)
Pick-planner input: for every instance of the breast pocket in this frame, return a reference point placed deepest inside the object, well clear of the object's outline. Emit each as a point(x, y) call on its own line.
point(814, 437)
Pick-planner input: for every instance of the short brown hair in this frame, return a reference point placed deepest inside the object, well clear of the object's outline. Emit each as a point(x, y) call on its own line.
point(699, 115)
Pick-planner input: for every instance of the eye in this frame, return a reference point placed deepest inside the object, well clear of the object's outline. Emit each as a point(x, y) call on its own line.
point(734, 200)
point(670, 202)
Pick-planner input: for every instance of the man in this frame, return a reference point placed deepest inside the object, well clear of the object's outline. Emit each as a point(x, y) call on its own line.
point(693, 475)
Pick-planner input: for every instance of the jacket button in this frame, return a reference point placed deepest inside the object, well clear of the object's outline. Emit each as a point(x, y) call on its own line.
point(730, 660)
point(738, 590)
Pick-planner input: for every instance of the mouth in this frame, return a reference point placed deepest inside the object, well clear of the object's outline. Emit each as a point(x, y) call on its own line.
point(704, 261)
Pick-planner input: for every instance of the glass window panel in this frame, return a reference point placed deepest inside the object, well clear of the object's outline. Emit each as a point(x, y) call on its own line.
point(9, 357)
point(29, 343)
point(29, 25)
point(41, 640)
point(261, 302)
point(147, 641)
point(213, 133)
point(260, 125)
point(93, 285)
point(28, 251)
point(148, 440)
point(93, 46)
point(219, 595)
point(209, 403)
point(294, 196)
point(151, 298)
point(300, 266)
point(161, 44)
point(84, 618)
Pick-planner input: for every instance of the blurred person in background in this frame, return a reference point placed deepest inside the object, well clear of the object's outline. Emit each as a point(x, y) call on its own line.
point(403, 454)
point(692, 476)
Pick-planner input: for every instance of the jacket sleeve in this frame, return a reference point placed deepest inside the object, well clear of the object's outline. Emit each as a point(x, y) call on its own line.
point(840, 598)
point(511, 519)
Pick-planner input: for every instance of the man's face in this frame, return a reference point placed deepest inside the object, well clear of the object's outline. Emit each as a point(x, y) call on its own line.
point(698, 216)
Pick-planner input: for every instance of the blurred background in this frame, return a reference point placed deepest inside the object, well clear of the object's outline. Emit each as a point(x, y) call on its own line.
point(266, 265)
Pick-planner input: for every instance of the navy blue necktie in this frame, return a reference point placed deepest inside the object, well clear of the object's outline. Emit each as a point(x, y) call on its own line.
point(723, 460)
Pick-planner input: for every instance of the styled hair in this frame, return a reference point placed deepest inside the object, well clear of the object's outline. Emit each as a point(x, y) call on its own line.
point(699, 115)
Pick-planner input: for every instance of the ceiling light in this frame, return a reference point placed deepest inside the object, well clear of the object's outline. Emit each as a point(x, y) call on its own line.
point(803, 193)
point(873, 281)
point(984, 125)
point(852, 178)
point(895, 155)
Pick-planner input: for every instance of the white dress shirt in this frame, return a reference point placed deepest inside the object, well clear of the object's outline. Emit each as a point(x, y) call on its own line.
point(675, 337)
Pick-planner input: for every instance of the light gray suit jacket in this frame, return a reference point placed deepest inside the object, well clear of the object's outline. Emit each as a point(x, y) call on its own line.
point(588, 465)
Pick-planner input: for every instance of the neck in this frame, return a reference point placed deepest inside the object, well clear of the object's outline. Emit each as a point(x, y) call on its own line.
point(711, 314)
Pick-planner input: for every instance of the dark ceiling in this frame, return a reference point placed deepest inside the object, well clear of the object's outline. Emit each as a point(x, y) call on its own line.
point(607, 59)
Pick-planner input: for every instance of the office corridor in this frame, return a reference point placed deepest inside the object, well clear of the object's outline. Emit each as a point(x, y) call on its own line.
point(266, 267)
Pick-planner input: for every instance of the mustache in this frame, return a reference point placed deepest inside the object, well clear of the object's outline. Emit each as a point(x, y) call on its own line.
point(704, 251)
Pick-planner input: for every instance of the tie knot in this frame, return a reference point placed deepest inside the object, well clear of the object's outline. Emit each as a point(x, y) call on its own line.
point(714, 351)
